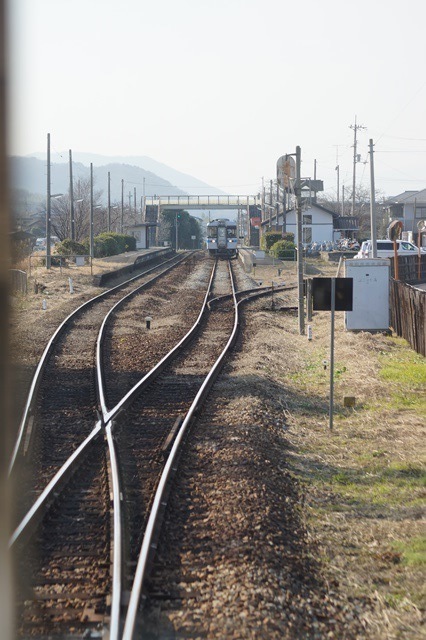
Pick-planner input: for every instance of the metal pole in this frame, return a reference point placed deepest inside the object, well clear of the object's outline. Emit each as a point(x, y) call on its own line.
point(373, 204)
point(109, 201)
point(338, 187)
point(48, 205)
point(72, 200)
point(277, 204)
point(91, 218)
point(354, 171)
point(301, 306)
point(270, 203)
point(144, 203)
point(122, 205)
point(176, 224)
point(134, 200)
point(309, 299)
point(284, 225)
point(333, 306)
point(343, 199)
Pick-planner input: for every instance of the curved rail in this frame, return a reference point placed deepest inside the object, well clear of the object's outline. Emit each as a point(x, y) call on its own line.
point(117, 549)
point(29, 405)
point(145, 552)
point(106, 415)
point(126, 400)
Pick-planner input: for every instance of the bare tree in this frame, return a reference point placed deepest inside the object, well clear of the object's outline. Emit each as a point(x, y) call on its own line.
point(362, 209)
point(61, 222)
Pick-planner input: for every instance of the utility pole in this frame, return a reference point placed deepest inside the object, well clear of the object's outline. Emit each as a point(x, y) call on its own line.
point(277, 204)
point(122, 206)
point(301, 306)
point(72, 200)
point(372, 204)
point(144, 201)
point(48, 210)
point(355, 127)
point(109, 201)
point(91, 218)
point(343, 200)
point(284, 225)
point(338, 187)
point(270, 203)
point(134, 200)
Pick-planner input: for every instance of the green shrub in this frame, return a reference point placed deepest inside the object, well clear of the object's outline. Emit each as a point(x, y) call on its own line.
point(269, 239)
point(111, 244)
point(283, 249)
point(70, 247)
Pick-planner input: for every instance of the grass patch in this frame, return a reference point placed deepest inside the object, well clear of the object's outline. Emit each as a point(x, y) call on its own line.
point(405, 368)
point(413, 551)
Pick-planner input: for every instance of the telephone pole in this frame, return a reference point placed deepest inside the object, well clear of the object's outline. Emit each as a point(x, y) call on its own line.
point(122, 206)
point(48, 208)
point(72, 221)
point(109, 202)
point(297, 190)
point(373, 203)
point(338, 187)
point(355, 127)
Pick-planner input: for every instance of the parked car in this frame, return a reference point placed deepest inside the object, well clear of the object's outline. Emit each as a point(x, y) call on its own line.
point(41, 242)
point(385, 249)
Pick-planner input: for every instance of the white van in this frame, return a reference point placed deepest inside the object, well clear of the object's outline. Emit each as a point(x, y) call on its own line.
point(385, 249)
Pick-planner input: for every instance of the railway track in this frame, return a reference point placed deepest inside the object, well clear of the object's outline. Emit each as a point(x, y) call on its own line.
point(61, 408)
point(132, 450)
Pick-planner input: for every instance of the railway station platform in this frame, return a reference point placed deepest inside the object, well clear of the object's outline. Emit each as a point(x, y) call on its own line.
point(127, 263)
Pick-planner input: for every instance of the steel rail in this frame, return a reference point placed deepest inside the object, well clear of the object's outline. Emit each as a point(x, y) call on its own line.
point(258, 291)
point(108, 417)
point(29, 405)
point(101, 336)
point(117, 549)
point(147, 378)
point(141, 569)
point(41, 504)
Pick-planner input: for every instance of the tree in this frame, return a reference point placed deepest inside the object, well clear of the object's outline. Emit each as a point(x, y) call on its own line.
point(362, 210)
point(60, 212)
point(187, 227)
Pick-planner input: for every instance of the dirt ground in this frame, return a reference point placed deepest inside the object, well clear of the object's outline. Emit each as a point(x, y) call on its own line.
point(363, 481)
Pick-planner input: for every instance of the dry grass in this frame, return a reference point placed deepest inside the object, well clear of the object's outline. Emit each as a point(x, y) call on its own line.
point(364, 480)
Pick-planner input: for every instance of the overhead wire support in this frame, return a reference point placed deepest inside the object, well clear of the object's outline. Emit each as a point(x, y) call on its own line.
point(355, 128)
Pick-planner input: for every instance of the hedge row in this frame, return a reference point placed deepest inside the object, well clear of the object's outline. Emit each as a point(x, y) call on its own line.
point(105, 244)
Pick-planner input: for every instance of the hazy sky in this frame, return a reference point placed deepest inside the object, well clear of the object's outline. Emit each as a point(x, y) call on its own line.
point(220, 89)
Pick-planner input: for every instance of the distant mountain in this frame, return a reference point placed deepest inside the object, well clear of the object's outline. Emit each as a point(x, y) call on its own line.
point(153, 168)
point(30, 174)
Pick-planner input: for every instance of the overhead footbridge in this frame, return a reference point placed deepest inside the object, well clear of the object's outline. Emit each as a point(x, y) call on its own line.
point(189, 202)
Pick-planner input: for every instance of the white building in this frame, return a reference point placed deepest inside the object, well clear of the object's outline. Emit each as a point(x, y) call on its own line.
point(319, 224)
point(409, 207)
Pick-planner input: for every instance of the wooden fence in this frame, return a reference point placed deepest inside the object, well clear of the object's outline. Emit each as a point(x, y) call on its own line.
point(408, 268)
point(408, 313)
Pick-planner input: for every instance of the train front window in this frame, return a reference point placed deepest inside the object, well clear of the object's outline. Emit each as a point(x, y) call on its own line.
point(231, 232)
point(212, 232)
